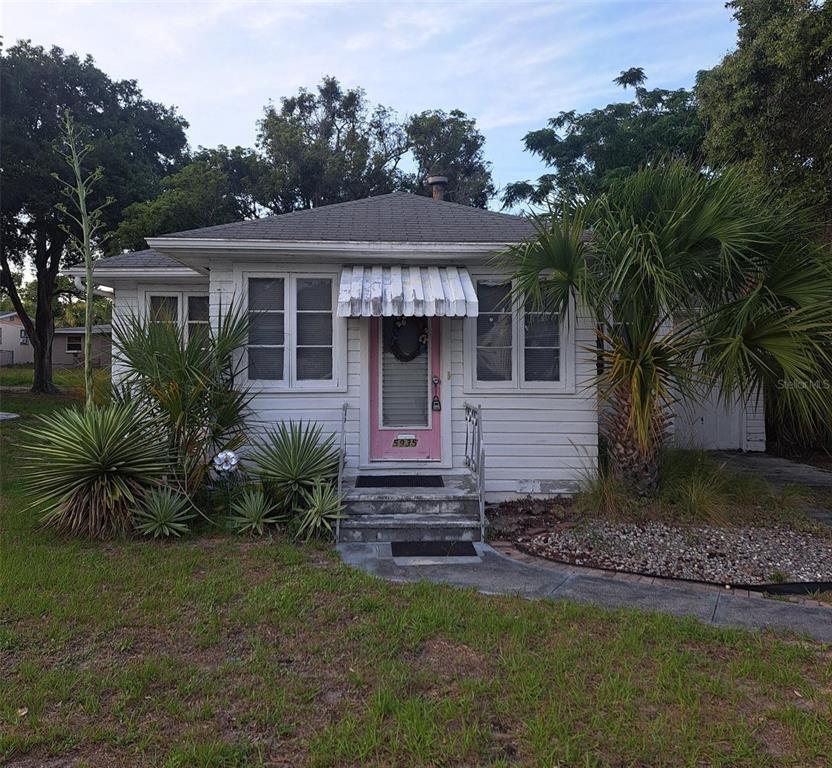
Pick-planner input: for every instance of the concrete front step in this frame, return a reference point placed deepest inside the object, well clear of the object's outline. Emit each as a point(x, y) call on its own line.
point(410, 527)
point(426, 507)
point(421, 513)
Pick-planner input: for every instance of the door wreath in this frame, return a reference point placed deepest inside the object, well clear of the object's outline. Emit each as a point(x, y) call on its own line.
point(408, 339)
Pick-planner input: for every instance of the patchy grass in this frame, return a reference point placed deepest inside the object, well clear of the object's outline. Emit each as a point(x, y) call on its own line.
point(68, 380)
point(696, 488)
point(222, 651)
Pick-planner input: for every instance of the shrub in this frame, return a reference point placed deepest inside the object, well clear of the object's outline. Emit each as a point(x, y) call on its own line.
point(90, 469)
point(189, 383)
point(322, 507)
point(253, 512)
point(604, 494)
point(292, 458)
point(164, 513)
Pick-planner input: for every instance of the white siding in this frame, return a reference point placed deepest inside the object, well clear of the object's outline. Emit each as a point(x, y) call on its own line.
point(705, 422)
point(271, 407)
point(125, 304)
point(535, 443)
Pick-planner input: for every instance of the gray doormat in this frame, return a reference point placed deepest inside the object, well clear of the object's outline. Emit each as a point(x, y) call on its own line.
point(432, 549)
point(399, 481)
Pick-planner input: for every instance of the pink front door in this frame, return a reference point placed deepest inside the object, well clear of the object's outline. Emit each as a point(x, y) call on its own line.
point(405, 389)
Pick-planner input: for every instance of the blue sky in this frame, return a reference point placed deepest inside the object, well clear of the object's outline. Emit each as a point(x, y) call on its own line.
point(511, 65)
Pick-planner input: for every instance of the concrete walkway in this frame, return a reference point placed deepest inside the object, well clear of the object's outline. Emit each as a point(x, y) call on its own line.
point(782, 472)
point(493, 572)
point(779, 472)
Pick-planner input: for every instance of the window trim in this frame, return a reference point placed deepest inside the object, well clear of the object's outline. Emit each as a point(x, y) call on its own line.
point(290, 382)
point(518, 384)
point(80, 349)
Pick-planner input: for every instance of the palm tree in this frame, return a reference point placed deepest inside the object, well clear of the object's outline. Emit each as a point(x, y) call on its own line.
point(698, 282)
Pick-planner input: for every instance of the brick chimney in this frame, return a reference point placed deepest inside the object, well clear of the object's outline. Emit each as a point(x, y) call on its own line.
point(437, 185)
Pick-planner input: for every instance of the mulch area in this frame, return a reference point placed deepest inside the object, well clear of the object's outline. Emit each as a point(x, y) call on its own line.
point(740, 555)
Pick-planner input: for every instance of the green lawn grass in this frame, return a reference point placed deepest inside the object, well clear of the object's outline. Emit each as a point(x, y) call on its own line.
point(67, 380)
point(222, 651)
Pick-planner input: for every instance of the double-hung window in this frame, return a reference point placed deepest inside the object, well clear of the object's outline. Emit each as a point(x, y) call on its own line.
point(197, 316)
point(511, 346)
point(190, 310)
point(291, 331)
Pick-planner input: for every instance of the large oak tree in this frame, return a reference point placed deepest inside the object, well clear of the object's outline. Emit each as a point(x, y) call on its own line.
point(136, 140)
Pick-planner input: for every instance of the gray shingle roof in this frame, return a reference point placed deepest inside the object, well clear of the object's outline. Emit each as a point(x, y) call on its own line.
point(399, 217)
point(147, 259)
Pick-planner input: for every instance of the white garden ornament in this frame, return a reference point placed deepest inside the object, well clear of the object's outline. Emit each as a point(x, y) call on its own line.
point(226, 461)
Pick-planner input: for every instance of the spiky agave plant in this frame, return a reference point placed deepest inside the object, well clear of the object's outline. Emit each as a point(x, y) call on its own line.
point(163, 513)
point(253, 512)
point(292, 458)
point(89, 470)
point(322, 508)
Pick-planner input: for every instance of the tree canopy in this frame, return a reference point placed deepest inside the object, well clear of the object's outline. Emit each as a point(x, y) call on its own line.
point(588, 151)
point(318, 147)
point(449, 144)
point(212, 189)
point(769, 102)
point(138, 142)
point(328, 146)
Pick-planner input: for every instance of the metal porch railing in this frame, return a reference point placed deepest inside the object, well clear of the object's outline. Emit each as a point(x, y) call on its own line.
point(475, 456)
point(342, 461)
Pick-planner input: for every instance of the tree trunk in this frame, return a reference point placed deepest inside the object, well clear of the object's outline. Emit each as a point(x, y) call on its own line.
point(42, 351)
point(637, 465)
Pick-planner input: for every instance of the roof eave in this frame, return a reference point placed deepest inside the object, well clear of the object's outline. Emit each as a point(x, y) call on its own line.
point(192, 251)
point(131, 272)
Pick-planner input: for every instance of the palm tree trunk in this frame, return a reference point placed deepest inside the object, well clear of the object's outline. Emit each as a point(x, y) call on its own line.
point(635, 463)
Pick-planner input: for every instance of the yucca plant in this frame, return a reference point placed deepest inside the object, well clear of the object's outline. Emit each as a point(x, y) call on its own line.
point(190, 385)
point(697, 281)
point(88, 470)
point(164, 513)
point(322, 508)
point(253, 512)
point(292, 458)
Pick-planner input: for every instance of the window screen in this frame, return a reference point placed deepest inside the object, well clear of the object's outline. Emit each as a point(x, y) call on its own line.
point(164, 309)
point(541, 353)
point(197, 316)
point(266, 340)
point(494, 332)
point(314, 329)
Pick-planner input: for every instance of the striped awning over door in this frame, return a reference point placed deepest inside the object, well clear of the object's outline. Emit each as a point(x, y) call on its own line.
point(378, 291)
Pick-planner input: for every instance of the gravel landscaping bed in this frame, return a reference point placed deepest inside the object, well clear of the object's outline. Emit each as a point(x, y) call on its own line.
point(703, 553)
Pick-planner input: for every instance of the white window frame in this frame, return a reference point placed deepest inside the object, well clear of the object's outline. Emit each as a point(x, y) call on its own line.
point(518, 383)
point(74, 351)
point(24, 337)
point(181, 304)
point(290, 382)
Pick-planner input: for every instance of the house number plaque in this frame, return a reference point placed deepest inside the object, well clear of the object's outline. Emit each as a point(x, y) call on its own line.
point(405, 441)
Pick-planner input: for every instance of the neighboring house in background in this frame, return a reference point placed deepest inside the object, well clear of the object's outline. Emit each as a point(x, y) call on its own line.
point(68, 347)
point(15, 348)
point(384, 320)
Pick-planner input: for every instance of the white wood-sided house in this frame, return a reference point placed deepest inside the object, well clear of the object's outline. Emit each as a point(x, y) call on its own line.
point(384, 319)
